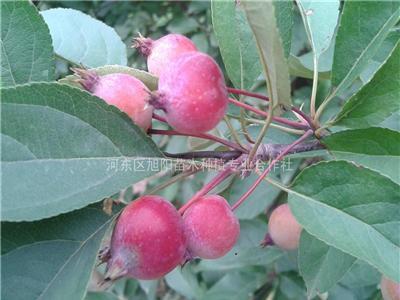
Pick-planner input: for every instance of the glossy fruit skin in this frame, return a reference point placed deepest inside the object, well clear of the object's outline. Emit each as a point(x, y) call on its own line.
point(211, 227)
point(148, 240)
point(390, 289)
point(167, 49)
point(124, 91)
point(127, 93)
point(193, 94)
point(283, 228)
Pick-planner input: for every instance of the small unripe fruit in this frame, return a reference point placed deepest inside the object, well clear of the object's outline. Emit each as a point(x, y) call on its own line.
point(211, 227)
point(160, 53)
point(283, 228)
point(124, 91)
point(192, 93)
point(390, 289)
point(148, 240)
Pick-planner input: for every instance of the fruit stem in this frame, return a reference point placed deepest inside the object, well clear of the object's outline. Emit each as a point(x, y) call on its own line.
point(262, 122)
point(205, 136)
point(159, 118)
point(284, 152)
point(246, 93)
point(221, 176)
point(304, 116)
point(262, 97)
point(265, 114)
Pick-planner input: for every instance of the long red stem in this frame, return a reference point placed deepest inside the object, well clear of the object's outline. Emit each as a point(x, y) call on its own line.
point(221, 176)
point(304, 116)
point(265, 114)
point(269, 168)
point(159, 118)
point(246, 93)
point(205, 136)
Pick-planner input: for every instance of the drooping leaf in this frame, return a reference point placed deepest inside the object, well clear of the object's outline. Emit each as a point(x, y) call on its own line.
point(375, 148)
point(149, 80)
point(321, 265)
point(357, 42)
point(377, 100)
point(351, 208)
point(236, 43)
point(82, 39)
point(320, 19)
point(63, 149)
point(264, 24)
point(53, 263)
point(26, 49)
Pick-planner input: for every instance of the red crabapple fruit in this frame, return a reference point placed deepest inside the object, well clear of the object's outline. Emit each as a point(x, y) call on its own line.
point(124, 91)
point(283, 228)
point(390, 289)
point(192, 93)
point(148, 240)
point(160, 53)
point(211, 227)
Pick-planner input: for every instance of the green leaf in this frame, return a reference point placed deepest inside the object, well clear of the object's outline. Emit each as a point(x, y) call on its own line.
point(264, 24)
point(148, 79)
point(357, 42)
point(82, 39)
point(54, 265)
point(320, 19)
point(236, 286)
point(375, 148)
point(262, 197)
point(377, 100)
point(63, 149)
point(298, 67)
point(351, 208)
point(236, 43)
point(26, 50)
point(184, 281)
point(246, 252)
point(321, 265)
point(361, 274)
point(284, 18)
point(381, 56)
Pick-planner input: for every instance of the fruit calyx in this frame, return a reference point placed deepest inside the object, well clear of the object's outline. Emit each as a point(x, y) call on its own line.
point(88, 79)
point(143, 44)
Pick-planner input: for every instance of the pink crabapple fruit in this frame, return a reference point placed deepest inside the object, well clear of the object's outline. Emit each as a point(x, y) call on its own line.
point(160, 53)
point(390, 289)
point(211, 227)
point(283, 228)
point(192, 93)
point(124, 91)
point(148, 240)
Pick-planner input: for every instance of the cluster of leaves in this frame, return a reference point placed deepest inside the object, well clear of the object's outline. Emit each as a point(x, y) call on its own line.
point(58, 145)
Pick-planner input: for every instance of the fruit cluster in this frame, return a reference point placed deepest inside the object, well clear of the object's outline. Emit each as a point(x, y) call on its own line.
point(151, 237)
point(191, 87)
